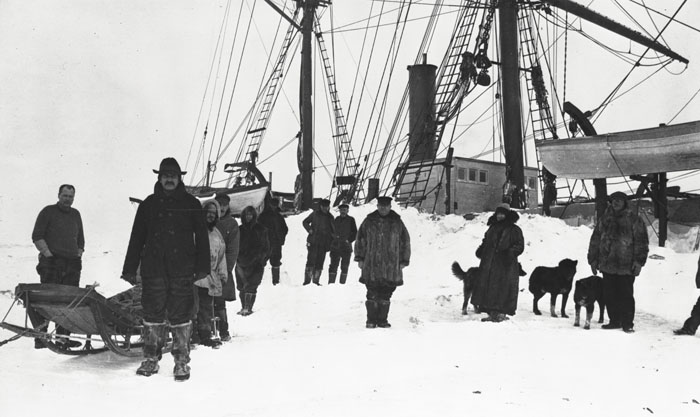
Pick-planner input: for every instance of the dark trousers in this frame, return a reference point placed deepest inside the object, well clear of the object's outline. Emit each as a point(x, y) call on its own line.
point(342, 258)
point(380, 292)
point(316, 257)
point(205, 314)
point(275, 255)
point(693, 321)
point(170, 298)
point(59, 270)
point(618, 292)
point(248, 278)
point(220, 313)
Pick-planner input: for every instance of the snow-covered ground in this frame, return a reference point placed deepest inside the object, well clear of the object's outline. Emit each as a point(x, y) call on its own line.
point(305, 350)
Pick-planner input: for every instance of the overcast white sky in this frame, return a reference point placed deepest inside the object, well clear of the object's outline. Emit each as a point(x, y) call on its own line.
point(96, 92)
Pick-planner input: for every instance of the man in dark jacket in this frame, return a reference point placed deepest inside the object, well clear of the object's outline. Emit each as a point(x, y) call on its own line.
point(228, 226)
point(691, 324)
point(170, 241)
point(58, 236)
point(382, 251)
point(341, 247)
point(277, 230)
point(319, 225)
point(252, 256)
point(618, 248)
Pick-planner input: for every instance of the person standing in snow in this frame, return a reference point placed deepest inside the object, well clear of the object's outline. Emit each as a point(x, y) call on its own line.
point(341, 247)
point(228, 226)
point(169, 240)
point(382, 251)
point(618, 248)
point(58, 236)
point(253, 254)
point(691, 324)
point(210, 286)
point(277, 231)
point(496, 289)
point(320, 229)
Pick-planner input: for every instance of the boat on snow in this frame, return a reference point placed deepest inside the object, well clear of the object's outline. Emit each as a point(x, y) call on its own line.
point(645, 151)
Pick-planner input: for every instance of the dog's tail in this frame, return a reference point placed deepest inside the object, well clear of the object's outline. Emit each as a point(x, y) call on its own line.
point(458, 272)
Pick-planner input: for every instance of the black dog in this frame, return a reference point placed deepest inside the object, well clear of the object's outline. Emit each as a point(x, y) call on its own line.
point(468, 278)
point(587, 292)
point(555, 281)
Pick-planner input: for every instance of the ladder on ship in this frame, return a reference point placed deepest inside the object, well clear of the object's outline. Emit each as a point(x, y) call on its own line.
point(346, 173)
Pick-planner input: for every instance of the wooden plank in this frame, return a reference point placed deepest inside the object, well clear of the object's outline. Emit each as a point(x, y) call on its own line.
point(660, 149)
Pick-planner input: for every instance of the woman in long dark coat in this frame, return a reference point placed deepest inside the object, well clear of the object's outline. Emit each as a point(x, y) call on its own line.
point(496, 291)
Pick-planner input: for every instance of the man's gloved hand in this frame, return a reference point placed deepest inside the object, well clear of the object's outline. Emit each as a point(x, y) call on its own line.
point(403, 265)
point(636, 269)
point(594, 269)
point(130, 278)
point(360, 264)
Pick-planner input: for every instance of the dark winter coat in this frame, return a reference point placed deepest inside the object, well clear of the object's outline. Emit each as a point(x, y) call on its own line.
point(619, 241)
point(275, 224)
point(254, 243)
point(320, 227)
point(497, 286)
point(345, 234)
point(383, 245)
point(169, 236)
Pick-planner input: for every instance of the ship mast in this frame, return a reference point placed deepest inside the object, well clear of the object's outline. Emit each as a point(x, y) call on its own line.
point(510, 73)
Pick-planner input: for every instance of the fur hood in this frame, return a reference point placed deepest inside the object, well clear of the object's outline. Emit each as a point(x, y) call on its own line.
point(512, 217)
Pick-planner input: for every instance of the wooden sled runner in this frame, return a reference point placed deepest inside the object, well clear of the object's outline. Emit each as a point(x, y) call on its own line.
point(100, 323)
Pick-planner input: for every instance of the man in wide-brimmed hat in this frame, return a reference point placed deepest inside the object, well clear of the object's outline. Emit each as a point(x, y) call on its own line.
point(169, 241)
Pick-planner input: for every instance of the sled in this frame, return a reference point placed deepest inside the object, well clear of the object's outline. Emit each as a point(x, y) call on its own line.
point(100, 323)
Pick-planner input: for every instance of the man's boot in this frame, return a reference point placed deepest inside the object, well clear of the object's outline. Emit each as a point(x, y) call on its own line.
point(181, 350)
point(317, 276)
point(383, 313)
point(371, 306)
point(331, 277)
point(242, 300)
point(153, 341)
point(249, 300)
point(275, 275)
point(343, 277)
point(308, 273)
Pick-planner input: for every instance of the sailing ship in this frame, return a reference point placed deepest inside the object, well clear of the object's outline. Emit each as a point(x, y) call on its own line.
point(497, 47)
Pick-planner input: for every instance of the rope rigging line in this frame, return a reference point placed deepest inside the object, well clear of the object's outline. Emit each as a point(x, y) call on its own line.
point(381, 82)
point(597, 112)
point(206, 89)
point(226, 78)
point(364, 79)
point(684, 106)
point(206, 86)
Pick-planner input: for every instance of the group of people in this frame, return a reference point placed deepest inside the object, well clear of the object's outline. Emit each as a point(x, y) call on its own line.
point(617, 249)
point(186, 254)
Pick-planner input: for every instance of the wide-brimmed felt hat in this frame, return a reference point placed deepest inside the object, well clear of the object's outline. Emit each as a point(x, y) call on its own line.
point(324, 202)
point(343, 205)
point(168, 165)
